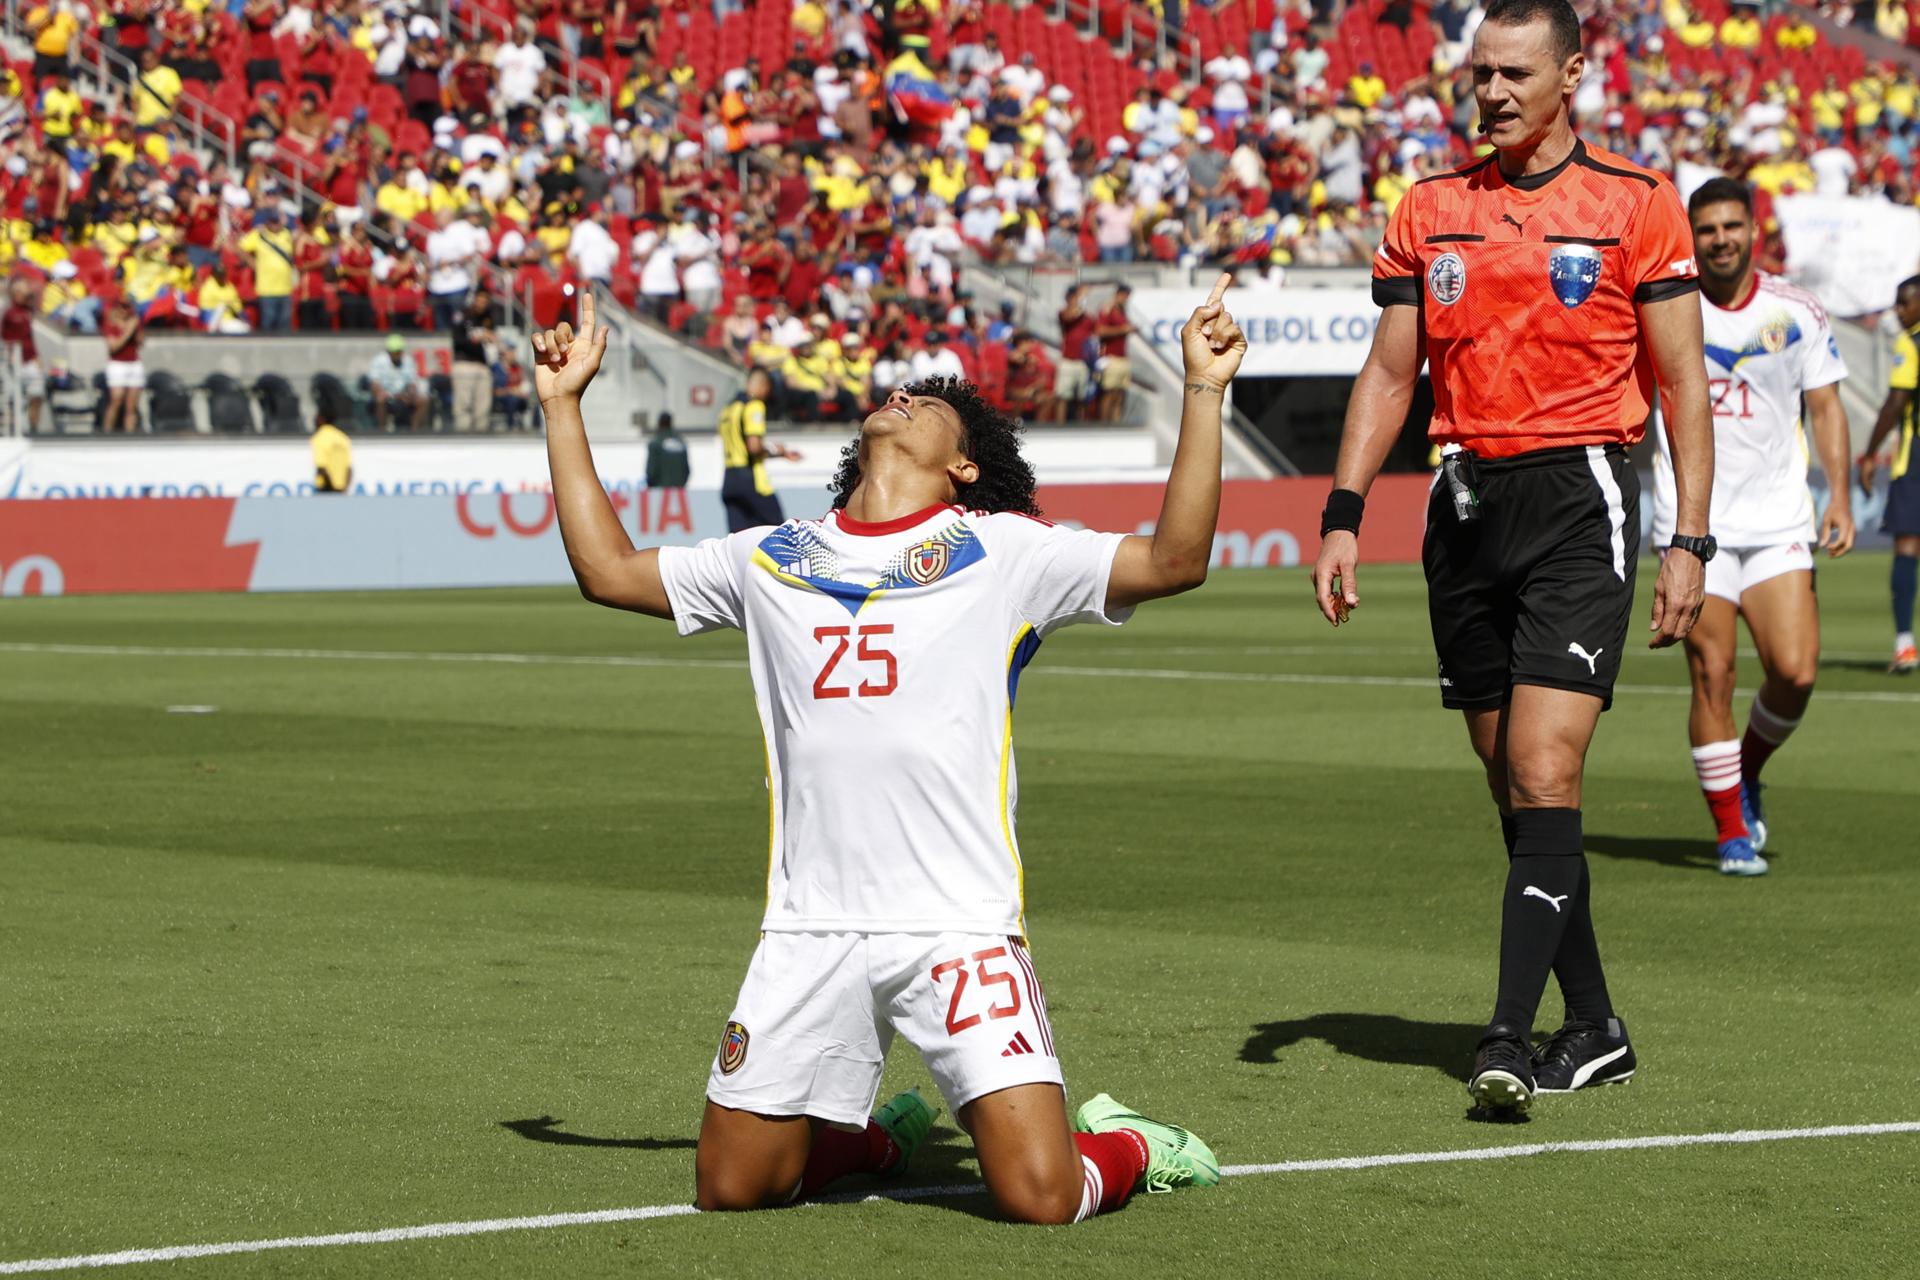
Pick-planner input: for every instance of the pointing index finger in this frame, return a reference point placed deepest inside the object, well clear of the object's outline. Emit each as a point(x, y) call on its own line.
point(1219, 289)
point(586, 313)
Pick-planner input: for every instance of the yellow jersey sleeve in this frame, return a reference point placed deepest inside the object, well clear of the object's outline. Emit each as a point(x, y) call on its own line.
point(754, 420)
point(1906, 364)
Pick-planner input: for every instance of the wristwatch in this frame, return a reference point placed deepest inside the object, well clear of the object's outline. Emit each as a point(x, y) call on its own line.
point(1702, 547)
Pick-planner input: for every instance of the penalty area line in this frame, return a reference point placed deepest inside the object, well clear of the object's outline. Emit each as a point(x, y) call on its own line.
point(735, 664)
point(548, 1221)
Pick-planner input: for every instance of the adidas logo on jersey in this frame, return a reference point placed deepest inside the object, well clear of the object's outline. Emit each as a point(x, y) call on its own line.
point(1017, 1046)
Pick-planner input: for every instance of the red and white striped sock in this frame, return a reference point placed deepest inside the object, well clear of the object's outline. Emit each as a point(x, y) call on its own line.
point(1718, 765)
point(1112, 1165)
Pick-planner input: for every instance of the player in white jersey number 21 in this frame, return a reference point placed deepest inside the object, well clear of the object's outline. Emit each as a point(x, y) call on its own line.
point(886, 642)
point(1768, 344)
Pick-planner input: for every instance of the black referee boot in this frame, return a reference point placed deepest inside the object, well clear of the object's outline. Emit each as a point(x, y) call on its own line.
point(1583, 1054)
point(1502, 1079)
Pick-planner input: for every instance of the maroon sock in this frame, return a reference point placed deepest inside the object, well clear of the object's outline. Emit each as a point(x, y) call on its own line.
point(1755, 751)
point(1114, 1163)
point(837, 1153)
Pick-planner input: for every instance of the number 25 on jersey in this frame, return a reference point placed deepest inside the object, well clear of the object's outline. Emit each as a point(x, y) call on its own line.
point(869, 653)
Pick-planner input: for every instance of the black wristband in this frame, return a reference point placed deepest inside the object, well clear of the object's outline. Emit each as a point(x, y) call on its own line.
point(1343, 511)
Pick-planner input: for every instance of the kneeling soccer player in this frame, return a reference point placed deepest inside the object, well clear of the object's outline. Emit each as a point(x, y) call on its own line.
point(886, 642)
point(1768, 345)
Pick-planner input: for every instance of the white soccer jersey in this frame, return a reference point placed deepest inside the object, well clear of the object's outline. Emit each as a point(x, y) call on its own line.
point(1760, 358)
point(885, 660)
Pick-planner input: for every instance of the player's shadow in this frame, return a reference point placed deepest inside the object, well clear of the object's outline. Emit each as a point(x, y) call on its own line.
point(943, 1176)
point(1446, 1047)
point(546, 1129)
point(1668, 851)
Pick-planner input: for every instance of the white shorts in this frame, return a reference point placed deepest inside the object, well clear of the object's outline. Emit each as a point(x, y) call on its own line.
point(126, 373)
point(817, 1013)
point(1733, 570)
point(1070, 380)
point(33, 382)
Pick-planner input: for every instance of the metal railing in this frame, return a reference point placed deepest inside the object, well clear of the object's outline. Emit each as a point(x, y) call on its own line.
point(469, 21)
point(1184, 46)
point(205, 127)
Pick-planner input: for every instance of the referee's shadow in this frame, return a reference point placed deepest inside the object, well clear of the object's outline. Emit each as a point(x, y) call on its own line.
point(1668, 851)
point(1446, 1047)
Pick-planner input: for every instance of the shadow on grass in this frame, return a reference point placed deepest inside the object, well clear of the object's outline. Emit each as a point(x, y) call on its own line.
point(943, 1161)
point(1446, 1047)
point(545, 1129)
point(1876, 666)
point(1692, 855)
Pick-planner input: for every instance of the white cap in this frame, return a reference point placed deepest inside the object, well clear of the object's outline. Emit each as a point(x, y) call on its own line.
point(1203, 134)
point(1060, 93)
point(64, 270)
point(148, 234)
point(686, 149)
point(1116, 145)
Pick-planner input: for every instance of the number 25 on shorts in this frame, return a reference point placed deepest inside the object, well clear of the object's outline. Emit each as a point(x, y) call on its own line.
point(868, 653)
point(986, 978)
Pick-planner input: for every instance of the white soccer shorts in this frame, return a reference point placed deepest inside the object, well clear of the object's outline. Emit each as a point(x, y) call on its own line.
point(1733, 570)
point(817, 1013)
point(126, 375)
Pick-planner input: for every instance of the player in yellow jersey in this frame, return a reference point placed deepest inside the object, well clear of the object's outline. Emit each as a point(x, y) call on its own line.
point(744, 487)
point(1902, 520)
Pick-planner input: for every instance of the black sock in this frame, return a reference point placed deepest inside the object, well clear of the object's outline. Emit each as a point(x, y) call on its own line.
point(1543, 877)
point(1583, 983)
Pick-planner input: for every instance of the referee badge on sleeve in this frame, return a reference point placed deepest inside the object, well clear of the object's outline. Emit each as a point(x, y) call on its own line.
point(1573, 269)
point(1447, 279)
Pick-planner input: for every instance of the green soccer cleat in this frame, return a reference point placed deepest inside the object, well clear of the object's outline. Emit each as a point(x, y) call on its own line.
point(1175, 1157)
point(907, 1119)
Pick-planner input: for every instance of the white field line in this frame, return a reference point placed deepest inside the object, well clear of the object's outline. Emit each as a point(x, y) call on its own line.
point(645, 660)
point(487, 1226)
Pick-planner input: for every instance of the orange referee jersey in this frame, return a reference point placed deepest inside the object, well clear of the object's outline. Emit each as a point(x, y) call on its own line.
point(1528, 288)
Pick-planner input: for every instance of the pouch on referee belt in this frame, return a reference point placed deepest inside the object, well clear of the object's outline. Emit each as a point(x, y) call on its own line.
point(1457, 473)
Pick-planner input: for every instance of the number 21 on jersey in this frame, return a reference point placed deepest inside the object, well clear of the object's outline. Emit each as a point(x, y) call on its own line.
point(1731, 398)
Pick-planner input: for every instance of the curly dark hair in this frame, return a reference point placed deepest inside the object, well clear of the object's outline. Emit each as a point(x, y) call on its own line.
point(990, 438)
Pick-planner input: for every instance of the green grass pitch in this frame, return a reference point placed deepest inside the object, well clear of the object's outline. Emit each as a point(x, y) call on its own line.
point(396, 940)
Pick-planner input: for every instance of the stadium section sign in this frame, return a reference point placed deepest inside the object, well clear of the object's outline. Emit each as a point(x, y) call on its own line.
point(1290, 332)
point(1849, 251)
point(495, 539)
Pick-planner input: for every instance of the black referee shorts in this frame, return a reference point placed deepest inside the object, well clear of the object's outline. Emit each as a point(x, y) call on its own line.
point(1537, 590)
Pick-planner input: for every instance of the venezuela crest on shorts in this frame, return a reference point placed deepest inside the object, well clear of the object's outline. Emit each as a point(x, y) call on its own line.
point(733, 1048)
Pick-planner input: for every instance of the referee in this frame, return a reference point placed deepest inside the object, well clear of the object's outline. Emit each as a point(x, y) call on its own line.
point(1544, 285)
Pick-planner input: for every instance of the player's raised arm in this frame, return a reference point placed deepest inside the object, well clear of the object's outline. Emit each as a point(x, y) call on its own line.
point(1673, 334)
point(1175, 558)
point(606, 566)
point(1375, 413)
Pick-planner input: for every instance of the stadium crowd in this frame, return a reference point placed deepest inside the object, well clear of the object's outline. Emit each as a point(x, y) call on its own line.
point(801, 183)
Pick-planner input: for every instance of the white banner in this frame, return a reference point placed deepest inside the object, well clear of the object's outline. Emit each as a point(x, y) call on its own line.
point(1290, 332)
point(382, 465)
point(1849, 251)
point(426, 466)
